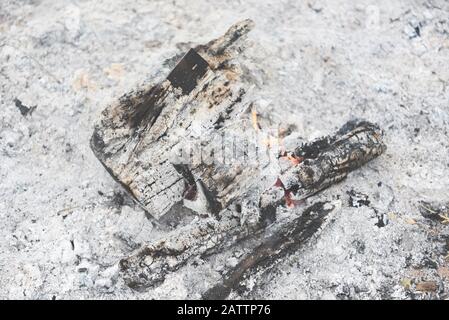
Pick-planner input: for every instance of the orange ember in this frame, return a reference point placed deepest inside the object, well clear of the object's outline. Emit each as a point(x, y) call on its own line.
point(289, 202)
point(256, 125)
point(292, 158)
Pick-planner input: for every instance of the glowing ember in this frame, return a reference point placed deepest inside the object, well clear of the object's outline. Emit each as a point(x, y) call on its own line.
point(295, 160)
point(256, 125)
point(289, 202)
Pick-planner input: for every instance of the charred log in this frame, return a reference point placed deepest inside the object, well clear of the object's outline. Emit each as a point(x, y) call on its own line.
point(288, 239)
point(324, 162)
point(137, 136)
point(150, 265)
point(354, 145)
point(191, 139)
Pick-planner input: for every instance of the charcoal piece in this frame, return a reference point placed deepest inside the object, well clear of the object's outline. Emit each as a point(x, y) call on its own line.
point(24, 110)
point(188, 72)
point(358, 199)
point(139, 137)
point(288, 239)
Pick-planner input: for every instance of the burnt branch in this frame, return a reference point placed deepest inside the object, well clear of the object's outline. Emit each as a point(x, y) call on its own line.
point(354, 145)
point(324, 162)
point(288, 239)
point(190, 139)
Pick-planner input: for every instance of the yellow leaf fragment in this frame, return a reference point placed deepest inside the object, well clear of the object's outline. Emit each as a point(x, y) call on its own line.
point(115, 71)
point(392, 216)
point(427, 286)
point(406, 283)
point(254, 119)
point(409, 220)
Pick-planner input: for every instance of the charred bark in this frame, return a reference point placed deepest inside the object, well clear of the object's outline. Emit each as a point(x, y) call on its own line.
point(161, 142)
point(137, 137)
point(323, 162)
point(288, 239)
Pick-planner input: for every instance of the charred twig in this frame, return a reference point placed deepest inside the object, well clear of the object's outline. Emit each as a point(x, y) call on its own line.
point(324, 162)
point(289, 239)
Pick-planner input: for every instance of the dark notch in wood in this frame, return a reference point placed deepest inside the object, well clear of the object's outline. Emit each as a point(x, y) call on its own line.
point(188, 71)
point(186, 74)
point(214, 206)
point(149, 110)
point(288, 239)
point(184, 170)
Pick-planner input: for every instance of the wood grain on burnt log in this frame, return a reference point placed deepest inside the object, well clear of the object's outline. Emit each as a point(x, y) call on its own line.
point(288, 239)
point(137, 136)
point(324, 162)
point(161, 143)
point(352, 146)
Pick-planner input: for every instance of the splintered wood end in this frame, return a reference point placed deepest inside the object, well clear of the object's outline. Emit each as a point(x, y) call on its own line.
point(235, 33)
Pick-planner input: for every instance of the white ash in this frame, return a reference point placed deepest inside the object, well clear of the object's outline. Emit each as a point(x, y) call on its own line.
point(65, 224)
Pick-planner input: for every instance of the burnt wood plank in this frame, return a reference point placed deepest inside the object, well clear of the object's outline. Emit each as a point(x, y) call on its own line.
point(136, 137)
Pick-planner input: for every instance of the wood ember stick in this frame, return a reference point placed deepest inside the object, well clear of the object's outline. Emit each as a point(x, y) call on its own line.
point(203, 103)
point(149, 265)
point(288, 239)
point(136, 137)
point(323, 162)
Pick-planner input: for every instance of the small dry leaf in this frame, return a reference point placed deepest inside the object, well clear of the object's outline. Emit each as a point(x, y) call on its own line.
point(392, 216)
point(445, 218)
point(115, 71)
point(427, 286)
point(82, 81)
point(406, 283)
point(443, 272)
point(410, 221)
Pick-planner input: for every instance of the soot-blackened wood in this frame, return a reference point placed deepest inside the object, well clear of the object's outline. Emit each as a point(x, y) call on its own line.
point(288, 239)
point(324, 162)
point(158, 140)
point(138, 138)
point(149, 265)
point(316, 166)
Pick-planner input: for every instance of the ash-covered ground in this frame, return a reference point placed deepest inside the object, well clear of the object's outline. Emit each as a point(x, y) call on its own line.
point(65, 223)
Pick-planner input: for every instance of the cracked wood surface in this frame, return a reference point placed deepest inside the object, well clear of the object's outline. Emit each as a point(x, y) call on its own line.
point(291, 237)
point(162, 144)
point(321, 163)
point(139, 138)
